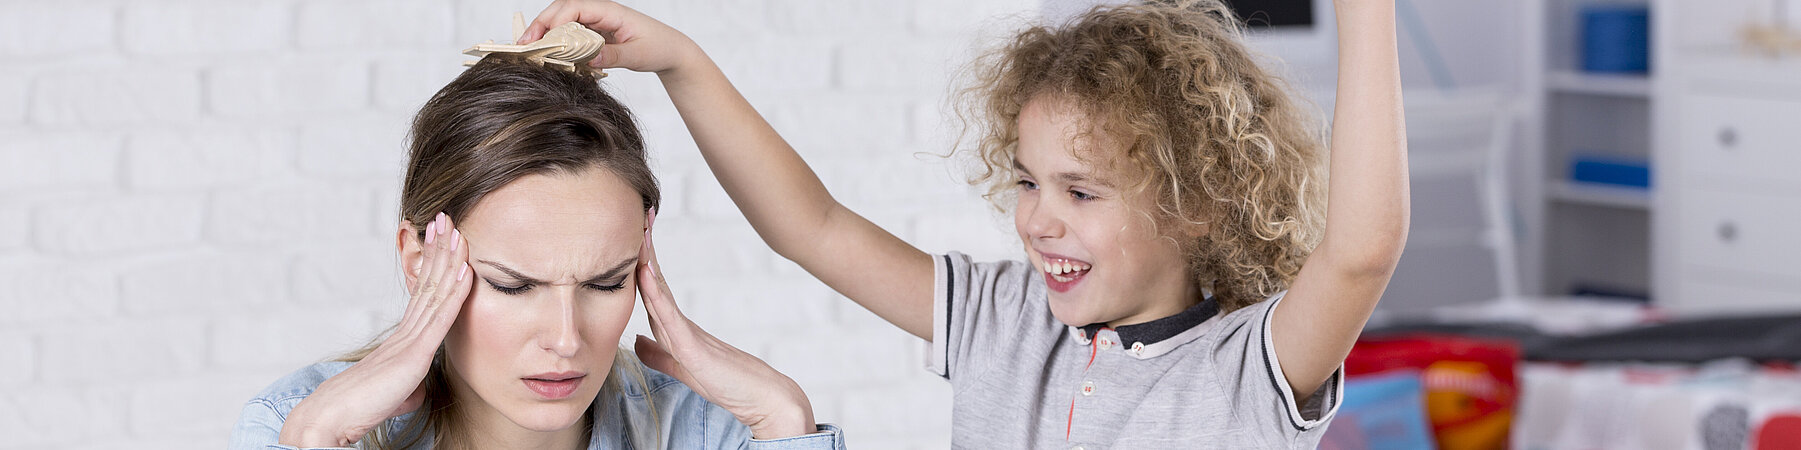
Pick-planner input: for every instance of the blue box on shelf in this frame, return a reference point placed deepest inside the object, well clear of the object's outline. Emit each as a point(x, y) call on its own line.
point(1616, 38)
point(1611, 170)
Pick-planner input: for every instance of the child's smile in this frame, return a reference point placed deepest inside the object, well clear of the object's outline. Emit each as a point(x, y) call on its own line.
point(1062, 273)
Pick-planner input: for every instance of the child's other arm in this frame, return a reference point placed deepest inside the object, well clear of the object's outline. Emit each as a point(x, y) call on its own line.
point(1366, 221)
point(778, 193)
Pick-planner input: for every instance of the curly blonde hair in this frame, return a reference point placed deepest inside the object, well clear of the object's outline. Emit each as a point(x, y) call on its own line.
point(1217, 139)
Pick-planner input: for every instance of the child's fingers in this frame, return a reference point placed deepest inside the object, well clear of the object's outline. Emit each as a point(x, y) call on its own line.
point(542, 23)
point(604, 17)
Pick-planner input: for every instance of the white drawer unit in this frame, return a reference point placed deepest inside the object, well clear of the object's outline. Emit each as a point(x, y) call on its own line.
point(1727, 228)
point(1755, 234)
point(1754, 143)
point(1715, 296)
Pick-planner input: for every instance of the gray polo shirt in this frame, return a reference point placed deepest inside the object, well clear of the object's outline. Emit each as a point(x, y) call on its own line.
point(1198, 379)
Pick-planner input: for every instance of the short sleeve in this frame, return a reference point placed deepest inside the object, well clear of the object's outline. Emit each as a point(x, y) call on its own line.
point(974, 305)
point(1259, 391)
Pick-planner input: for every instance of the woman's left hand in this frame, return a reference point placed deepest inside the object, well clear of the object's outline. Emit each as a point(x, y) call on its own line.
point(771, 404)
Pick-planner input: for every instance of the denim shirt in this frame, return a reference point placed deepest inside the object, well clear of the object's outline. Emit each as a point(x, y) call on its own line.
point(687, 420)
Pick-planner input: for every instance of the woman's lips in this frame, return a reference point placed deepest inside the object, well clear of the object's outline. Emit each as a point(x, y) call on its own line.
point(554, 386)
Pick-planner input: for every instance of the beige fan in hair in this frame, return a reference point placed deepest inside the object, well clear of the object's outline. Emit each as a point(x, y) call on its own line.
point(570, 46)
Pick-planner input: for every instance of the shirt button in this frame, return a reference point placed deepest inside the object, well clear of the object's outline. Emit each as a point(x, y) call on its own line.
point(1137, 349)
point(1087, 388)
point(1106, 343)
point(1080, 337)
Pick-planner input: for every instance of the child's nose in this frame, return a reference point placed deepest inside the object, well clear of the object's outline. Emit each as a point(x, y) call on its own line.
point(1040, 222)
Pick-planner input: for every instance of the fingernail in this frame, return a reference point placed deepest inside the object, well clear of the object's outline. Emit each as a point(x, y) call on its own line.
point(463, 271)
point(456, 239)
point(431, 231)
point(442, 220)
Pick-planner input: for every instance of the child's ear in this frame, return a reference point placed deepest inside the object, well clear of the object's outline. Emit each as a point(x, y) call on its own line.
point(412, 254)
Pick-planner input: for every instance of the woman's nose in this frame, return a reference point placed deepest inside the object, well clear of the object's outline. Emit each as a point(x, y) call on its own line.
point(562, 336)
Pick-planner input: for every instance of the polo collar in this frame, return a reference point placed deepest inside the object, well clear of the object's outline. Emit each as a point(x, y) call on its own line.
point(1156, 337)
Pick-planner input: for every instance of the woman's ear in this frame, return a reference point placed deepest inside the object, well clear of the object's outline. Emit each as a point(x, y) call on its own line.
point(412, 254)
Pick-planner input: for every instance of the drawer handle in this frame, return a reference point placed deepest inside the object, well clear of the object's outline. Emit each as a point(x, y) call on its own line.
point(1728, 137)
point(1728, 232)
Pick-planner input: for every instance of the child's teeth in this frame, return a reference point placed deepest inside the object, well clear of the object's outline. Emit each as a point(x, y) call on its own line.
point(1064, 267)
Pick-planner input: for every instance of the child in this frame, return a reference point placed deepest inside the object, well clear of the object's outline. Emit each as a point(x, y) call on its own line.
point(1180, 288)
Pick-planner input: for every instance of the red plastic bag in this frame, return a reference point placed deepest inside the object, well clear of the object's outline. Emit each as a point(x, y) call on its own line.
point(1471, 390)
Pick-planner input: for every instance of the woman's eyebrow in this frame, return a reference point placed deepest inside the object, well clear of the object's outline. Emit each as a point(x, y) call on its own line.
point(615, 272)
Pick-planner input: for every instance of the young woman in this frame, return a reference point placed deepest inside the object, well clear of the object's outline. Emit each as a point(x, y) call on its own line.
point(525, 229)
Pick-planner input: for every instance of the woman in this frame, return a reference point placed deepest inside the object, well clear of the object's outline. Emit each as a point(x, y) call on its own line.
point(526, 222)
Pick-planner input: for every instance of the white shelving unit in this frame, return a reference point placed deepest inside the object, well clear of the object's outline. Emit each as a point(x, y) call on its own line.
point(1582, 237)
point(1579, 83)
point(1594, 194)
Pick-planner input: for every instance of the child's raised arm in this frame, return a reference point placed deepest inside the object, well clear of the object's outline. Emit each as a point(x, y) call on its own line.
point(1366, 218)
point(775, 189)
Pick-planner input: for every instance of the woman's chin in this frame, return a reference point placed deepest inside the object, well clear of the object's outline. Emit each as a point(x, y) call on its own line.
point(549, 417)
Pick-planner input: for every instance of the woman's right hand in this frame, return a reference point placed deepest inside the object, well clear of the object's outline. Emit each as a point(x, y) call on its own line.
point(634, 41)
point(387, 382)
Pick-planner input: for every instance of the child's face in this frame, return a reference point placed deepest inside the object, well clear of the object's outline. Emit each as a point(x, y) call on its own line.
point(1102, 258)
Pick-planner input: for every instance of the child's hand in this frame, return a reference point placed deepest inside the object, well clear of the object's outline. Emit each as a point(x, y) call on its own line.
point(634, 41)
point(772, 405)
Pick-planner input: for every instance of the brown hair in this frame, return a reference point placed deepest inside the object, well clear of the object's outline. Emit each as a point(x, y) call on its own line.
point(502, 119)
point(1212, 135)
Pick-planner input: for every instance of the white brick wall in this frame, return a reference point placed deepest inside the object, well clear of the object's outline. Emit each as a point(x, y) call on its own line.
point(197, 197)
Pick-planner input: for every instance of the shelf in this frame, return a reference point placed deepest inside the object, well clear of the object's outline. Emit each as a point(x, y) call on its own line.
point(1601, 195)
point(1572, 82)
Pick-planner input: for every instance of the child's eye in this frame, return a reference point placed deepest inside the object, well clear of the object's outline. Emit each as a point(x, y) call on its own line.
point(1028, 184)
point(1079, 195)
point(605, 288)
point(510, 290)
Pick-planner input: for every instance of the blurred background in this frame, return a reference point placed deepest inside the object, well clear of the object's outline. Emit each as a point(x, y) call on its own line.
point(197, 197)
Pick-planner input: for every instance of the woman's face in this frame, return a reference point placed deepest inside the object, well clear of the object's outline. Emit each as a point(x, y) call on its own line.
point(553, 258)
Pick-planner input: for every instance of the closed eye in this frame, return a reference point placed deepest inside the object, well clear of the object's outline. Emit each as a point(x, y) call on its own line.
point(605, 287)
point(509, 290)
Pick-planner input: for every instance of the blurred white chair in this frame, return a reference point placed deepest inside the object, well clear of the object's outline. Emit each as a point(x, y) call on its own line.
point(1461, 262)
point(1461, 246)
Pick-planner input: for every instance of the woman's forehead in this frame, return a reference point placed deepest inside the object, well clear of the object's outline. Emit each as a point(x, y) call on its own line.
point(558, 221)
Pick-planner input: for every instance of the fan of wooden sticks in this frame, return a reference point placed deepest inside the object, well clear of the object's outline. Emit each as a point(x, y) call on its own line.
point(569, 46)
